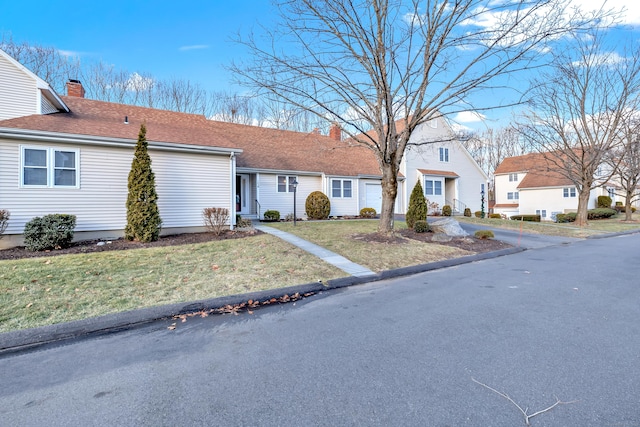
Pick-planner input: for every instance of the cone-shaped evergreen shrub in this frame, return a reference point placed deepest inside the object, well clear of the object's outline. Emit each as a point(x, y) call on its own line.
point(143, 216)
point(417, 206)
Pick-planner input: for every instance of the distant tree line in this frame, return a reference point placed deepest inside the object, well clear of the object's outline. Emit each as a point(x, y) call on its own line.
point(105, 82)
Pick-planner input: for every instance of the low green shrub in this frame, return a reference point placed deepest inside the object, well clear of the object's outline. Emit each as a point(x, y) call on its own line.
point(530, 218)
point(603, 202)
point(564, 218)
point(446, 210)
point(467, 212)
point(421, 226)
point(368, 213)
point(53, 231)
point(317, 205)
point(592, 214)
point(601, 213)
point(484, 234)
point(495, 216)
point(271, 215)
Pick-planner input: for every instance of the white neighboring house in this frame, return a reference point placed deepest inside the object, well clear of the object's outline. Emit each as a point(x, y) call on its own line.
point(529, 185)
point(446, 170)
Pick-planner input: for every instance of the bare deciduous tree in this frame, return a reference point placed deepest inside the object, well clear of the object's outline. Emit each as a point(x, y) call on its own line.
point(625, 161)
point(579, 109)
point(490, 147)
point(46, 62)
point(380, 68)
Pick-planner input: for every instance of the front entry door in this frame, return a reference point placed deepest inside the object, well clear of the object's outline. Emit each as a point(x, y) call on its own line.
point(243, 202)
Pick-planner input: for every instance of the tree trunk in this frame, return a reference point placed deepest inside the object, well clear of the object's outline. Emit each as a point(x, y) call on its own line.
point(389, 193)
point(627, 206)
point(583, 206)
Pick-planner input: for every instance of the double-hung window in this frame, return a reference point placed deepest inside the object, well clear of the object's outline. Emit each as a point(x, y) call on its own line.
point(341, 188)
point(569, 192)
point(513, 195)
point(432, 187)
point(444, 154)
point(49, 167)
point(513, 177)
point(286, 183)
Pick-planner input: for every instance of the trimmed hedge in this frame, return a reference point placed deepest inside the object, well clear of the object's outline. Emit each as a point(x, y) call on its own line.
point(495, 216)
point(530, 218)
point(317, 205)
point(368, 213)
point(592, 214)
point(467, 212)
point(446, 210)
point(53, 231)
point(604, 202)
point(271, 215)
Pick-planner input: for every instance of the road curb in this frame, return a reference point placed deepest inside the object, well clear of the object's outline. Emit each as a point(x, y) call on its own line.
point(26, 339)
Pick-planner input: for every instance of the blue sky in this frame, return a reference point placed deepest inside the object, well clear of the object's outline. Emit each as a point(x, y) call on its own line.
point(183, 39)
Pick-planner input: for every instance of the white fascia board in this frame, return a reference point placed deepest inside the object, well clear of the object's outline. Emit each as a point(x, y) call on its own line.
point(53, 137)
point(277, 171)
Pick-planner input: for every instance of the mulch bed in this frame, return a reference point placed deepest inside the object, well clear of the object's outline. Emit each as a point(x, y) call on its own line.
point(90, 246)
point(468, 243)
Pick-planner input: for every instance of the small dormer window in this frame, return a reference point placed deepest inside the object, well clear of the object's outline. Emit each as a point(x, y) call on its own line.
point(513, 177)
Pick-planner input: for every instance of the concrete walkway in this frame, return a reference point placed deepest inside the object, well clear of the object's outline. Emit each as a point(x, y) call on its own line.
point(324, 254)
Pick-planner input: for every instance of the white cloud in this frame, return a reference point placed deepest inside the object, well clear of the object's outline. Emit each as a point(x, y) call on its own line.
point(68, 53)
point(631, 15)
point(136, 82)
point(194, 47)
point(469, 117)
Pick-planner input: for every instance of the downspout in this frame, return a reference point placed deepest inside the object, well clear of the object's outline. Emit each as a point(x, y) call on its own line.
point(232, 168)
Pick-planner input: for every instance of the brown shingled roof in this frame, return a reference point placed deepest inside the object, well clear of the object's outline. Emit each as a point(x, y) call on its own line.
point(438, 173)
point(264, 148)
point(540, 172)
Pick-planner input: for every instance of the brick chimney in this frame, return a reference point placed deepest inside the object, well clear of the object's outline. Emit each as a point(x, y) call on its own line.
point(74, 88)
point(335, 132)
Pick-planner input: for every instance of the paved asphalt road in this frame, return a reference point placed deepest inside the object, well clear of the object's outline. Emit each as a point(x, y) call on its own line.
point(515, 238)
point(560, 321)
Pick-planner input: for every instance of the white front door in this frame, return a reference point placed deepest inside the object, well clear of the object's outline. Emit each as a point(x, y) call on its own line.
point(243, 194)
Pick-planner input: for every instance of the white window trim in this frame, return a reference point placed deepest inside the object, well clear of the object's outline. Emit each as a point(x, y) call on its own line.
point(287, 179)
point(443, 154)
point(433, 180)
point(513, 177)
point(342, 181)
point(51, 156)
point(571, 192)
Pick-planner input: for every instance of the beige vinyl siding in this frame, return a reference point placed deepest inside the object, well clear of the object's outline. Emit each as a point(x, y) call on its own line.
point(341, 206)
point(188, 183)
point(18, 92)
point(185, 184)
point(270, 199)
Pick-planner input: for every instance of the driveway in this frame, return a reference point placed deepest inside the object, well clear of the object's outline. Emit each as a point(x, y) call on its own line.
point(560, 322)
point(518, 239)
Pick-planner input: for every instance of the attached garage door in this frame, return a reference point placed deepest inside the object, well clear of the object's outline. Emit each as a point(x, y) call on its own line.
point(373, 196)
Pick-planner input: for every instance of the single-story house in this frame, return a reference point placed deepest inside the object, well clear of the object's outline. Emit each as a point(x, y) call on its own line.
point(69, 154)
point(530, 184)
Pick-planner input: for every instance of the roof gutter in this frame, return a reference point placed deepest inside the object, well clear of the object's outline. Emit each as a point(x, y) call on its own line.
point(67, 138)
